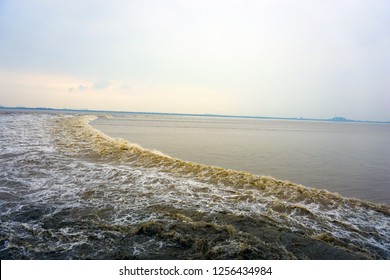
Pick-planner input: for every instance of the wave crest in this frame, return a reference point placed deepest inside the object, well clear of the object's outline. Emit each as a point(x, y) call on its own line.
point(321, 214)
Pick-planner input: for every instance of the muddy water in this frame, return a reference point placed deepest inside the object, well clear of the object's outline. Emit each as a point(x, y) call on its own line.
point(68, 191)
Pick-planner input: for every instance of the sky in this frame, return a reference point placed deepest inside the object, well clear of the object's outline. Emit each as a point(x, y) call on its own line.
point(281, 58)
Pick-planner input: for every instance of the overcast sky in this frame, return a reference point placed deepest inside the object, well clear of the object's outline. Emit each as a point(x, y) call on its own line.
point(313, 59)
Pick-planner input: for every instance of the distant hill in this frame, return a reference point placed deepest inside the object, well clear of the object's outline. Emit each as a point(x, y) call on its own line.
point(340, 119)
point(334, 119)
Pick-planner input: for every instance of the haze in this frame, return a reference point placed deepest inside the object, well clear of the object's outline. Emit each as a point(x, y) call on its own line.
point(312, 59)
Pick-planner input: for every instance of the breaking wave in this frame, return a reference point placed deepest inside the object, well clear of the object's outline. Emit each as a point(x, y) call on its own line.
point(70, 191)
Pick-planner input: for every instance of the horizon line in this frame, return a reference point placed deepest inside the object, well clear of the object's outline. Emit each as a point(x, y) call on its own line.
point(334, 119)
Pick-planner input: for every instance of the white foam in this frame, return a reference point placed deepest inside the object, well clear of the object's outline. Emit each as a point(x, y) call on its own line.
point(120, 193)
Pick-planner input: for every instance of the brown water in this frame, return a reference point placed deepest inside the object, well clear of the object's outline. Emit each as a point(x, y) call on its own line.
point(352, 159)
point(68, 191)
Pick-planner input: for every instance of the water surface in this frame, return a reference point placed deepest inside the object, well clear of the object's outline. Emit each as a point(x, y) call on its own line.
point(68, 191)
point(352, 159)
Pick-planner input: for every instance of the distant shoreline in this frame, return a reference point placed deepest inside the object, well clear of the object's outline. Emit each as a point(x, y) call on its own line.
point(334, 119)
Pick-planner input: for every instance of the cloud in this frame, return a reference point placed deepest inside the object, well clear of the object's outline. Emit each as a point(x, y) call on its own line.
point(82, 87)
point(99, 85)
point(307, 54)
point(79, 88)
point(102, 84)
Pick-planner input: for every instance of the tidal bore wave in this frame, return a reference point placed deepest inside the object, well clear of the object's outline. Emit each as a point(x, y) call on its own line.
point(67, 191)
